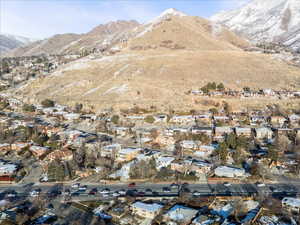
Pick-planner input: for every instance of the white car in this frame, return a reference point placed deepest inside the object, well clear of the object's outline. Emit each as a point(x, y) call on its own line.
point(122, 192)
point(82, 188)
point(76, 185)
point(196, 193)
point(260, 185)
point(116, 194)
point(34, 193)
point(227, 184)
point(11, 195)
point(105, 191)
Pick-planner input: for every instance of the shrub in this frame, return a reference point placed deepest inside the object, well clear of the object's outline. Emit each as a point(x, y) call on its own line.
point(48, 103)
point(149, 119)
point(28, 108)
point(115, 119)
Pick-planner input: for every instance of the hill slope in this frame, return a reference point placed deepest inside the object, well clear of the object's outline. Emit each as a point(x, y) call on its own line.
point(159, 73)
point(266, 20)
point(100, 37)
point(9, 42)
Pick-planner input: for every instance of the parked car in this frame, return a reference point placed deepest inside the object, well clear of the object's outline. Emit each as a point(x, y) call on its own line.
point(166, 189)
point(76, 185)
point(131, 185)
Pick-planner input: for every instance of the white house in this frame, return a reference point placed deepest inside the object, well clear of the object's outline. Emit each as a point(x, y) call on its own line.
point(146, 210)
point(164, 161)
point(231, 172)
point(180, 214)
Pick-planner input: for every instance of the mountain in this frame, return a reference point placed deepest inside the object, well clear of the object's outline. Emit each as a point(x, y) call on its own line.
point(53, 45)
point(100, 37)
point(9, 42)
point(158, 63)
point(265, 20)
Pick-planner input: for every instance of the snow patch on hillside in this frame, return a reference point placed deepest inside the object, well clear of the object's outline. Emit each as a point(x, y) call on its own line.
point(117, 89)
point(117, 73)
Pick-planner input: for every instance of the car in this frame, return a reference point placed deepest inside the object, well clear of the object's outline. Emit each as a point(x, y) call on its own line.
point(148, 190)
point(166, 189)
point(122, 192)
point(82, 188)
point(106, 195)
point(227, 184)
point(35, 193)
point(94, 191)
point(174, 185)
point(155, 193)
point(11, 195)
point(67, 192)
point(75, 193)
point(196, 193)
point(76, 185)
point(186, 190)
point(131, 185)
point(185, 184)
point(116, 194)
point(258, 184)
point(105, 191)
point(141, 193)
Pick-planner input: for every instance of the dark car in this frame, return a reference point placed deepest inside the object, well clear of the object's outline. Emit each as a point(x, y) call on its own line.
point(166, 189)
point(94, 191)
point(131, 185)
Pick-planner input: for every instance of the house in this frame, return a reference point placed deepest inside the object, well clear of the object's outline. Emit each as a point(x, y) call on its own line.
point(231, 172)
point(204, 150)
point(7, 169)
point(182, 119)
point(128, 154)
point(71, 116)
point(221, 132)
point(221, 118)
point(191, 145)
point(164, 161)
point(292, 204)
point(109, 150)
point(243, 131)
point(38, 150)
point(202, 130)
point(263, 133)
point(146, 210)
point(180, 214)
point(64, 155)
point(121, 131)
point(257, 120)
point(205, 118)
point(277, 120)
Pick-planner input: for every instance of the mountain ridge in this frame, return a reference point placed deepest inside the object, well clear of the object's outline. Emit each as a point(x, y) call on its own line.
point(265, 20)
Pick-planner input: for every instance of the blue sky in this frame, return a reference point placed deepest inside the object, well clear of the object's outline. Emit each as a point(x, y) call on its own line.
point(44, 18)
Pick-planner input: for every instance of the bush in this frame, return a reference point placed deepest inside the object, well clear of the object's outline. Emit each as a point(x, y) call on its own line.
point(48, 103)
point(28, 108)
point(149, 119)
point(115, 119)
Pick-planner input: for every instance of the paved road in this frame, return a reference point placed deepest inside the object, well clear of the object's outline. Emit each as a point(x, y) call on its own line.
point(157, 190)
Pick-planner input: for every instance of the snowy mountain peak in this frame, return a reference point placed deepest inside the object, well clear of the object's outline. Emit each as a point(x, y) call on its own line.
point(167, 14)
point(172, 12)
point(265, 20)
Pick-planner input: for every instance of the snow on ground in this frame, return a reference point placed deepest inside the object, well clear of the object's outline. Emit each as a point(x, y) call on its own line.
point(117, 89)
point(77, 66)
point(216, 29)
point(117, 73)
point(91, 91)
